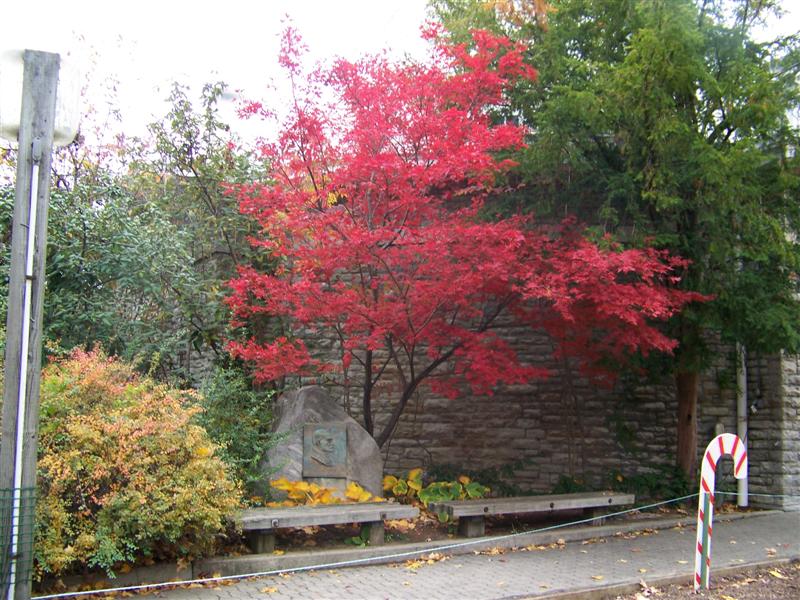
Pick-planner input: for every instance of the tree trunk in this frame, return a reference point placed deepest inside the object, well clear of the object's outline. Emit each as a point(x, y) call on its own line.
point(687, 383)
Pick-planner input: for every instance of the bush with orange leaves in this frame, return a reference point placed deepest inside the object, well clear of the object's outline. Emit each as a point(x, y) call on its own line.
point(125, 475)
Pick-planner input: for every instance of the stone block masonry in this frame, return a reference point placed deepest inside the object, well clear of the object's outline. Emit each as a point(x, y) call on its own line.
point(567, 427)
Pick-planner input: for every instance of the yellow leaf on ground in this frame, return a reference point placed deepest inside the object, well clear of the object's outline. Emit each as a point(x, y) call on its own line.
point(726, 597)
point(279, 552)
point(776, 573)
point(269, 590)
point(598, 577)
point(642, 570)
point(401, 525)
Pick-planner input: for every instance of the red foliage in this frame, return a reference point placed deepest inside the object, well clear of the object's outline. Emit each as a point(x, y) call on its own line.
point(373, 219)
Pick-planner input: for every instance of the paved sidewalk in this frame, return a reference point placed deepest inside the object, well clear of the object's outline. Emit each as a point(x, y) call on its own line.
point(593, 565)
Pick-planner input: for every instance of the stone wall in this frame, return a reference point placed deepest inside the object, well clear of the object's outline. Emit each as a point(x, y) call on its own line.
point(790, 433)
point(774, 420)
point(565, 426)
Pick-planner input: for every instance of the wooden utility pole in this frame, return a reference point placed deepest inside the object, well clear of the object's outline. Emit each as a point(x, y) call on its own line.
point(23, 354)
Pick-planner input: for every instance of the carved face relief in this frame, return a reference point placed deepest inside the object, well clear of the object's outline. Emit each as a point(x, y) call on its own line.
point(325, 450)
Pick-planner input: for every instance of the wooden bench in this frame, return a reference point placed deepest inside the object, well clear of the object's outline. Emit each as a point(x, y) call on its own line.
point(259, 524)
point(471, 513)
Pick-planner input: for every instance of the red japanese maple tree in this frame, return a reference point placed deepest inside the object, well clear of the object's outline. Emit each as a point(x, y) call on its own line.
point(373, 220)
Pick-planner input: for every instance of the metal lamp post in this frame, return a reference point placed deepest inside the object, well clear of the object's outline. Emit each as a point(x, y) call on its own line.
point(33, 121)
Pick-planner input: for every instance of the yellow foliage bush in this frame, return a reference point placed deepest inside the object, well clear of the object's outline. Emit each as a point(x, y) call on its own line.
point(125, 476)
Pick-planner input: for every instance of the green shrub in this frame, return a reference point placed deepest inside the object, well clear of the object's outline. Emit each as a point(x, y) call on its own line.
point(499, 478)
point(664, 482)
point(125, 476)
point(409, 489)
point(238, 419)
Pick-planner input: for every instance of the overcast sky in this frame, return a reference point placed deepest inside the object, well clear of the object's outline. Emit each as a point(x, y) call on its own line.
point(147, 44)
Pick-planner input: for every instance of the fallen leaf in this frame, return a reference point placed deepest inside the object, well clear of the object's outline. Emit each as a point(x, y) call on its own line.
point(726, 597)
point(622, 560)
point(279, 552)
point(642, 570)
point(683, 562)
point(413, 565)
point(771, 551)
point(598, 577)
point(776, 573)
point(269, 590)
point(401, 525)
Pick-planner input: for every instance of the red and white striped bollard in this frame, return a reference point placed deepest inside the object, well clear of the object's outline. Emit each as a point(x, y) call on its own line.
point(726, 443)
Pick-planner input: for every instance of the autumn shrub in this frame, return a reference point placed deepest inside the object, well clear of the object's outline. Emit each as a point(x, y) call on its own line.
point(125, 474)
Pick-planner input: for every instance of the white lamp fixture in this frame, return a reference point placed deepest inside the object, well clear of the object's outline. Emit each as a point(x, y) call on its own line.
point(67, 98)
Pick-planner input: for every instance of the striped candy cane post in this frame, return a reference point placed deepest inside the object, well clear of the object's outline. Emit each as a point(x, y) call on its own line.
point(727, 443)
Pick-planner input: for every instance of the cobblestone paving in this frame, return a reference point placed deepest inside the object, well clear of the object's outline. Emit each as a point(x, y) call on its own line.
point(519, 574)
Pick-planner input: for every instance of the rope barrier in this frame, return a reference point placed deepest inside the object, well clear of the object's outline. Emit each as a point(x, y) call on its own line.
point(358, 561)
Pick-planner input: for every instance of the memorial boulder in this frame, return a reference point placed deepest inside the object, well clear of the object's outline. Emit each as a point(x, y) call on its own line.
point(319, 442)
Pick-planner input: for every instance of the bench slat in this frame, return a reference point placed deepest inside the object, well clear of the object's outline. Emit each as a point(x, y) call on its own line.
point(255, 519)
point(530, 504)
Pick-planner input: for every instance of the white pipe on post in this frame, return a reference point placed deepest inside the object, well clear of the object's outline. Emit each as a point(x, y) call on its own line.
point(16, 503)
point(741, 417)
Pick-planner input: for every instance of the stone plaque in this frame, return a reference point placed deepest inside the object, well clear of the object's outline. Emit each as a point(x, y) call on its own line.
point(325, 450)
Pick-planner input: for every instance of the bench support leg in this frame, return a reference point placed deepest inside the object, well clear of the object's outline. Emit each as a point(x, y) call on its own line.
point(471, 526)
point(374, 532)
point(598, 516)
point(261, 542)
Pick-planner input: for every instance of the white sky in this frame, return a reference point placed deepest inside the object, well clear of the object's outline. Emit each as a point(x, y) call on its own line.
point(147, 44)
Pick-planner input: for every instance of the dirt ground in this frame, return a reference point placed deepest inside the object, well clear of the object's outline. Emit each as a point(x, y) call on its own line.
point(780, 582)
point(427, 528)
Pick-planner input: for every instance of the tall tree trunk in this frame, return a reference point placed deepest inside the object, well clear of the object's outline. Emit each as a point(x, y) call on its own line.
point(687, 383)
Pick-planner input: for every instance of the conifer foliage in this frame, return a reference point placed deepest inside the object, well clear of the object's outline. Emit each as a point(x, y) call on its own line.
point(375, 223)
